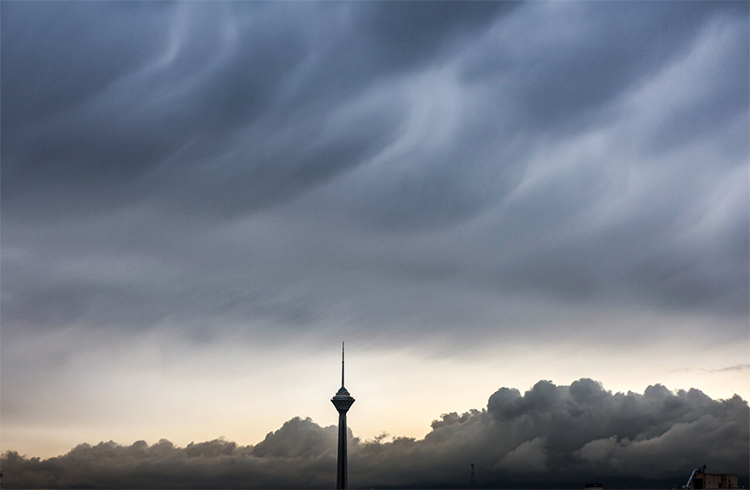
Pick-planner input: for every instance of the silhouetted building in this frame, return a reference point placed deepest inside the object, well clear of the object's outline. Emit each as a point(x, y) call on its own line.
point(713, 480)
point(342, 401)
point(699, 480)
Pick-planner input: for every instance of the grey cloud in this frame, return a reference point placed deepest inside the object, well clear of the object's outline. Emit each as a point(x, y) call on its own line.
point(201, 77)
point(77, 55)
point(550, 436)
point(589, 55)
point(529, 457)
point(206, 67)
point(736, 367)
point(285, 459)
point(298, 438)
point(394, 167)
point(381, 41)
point(408, 32)
point(207, 122)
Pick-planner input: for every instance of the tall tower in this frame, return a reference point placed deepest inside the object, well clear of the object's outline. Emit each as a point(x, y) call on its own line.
point(342, 401)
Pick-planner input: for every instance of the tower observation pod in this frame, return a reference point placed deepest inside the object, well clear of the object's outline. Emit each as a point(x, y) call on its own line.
point(342, 401)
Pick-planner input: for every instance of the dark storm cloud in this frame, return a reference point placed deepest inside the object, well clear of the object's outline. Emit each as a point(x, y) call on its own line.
point(99, 106)
point(555, 434)
point(277, 162)
point(411, 33)
point(551, 436)
point(561, 73)
point(183, 78)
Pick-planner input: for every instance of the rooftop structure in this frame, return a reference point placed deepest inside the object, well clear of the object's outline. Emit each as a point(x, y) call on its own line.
point(713, 480)
point(700, 480)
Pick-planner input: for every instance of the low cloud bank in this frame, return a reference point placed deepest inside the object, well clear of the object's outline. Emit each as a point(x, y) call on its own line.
point(551, 436)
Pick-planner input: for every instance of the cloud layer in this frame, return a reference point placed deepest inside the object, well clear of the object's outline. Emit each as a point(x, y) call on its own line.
point(443, 177)
point(551, 436)
point(248, 147)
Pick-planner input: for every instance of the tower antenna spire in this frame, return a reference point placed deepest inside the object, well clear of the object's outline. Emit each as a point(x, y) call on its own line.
point(342, 364)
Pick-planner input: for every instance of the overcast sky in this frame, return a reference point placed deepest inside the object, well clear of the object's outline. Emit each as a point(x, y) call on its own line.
point(201, 200)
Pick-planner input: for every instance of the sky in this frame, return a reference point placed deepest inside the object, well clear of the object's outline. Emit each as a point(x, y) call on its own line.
point(201, 200)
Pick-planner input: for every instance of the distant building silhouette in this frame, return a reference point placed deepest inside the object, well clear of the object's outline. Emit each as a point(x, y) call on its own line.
point(342, 401)
point(700, 480)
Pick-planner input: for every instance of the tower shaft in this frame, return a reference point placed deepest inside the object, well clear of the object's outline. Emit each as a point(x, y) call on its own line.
point(341, 466)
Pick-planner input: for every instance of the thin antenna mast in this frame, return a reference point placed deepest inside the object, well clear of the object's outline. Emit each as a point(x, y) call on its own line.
point(342, 364)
